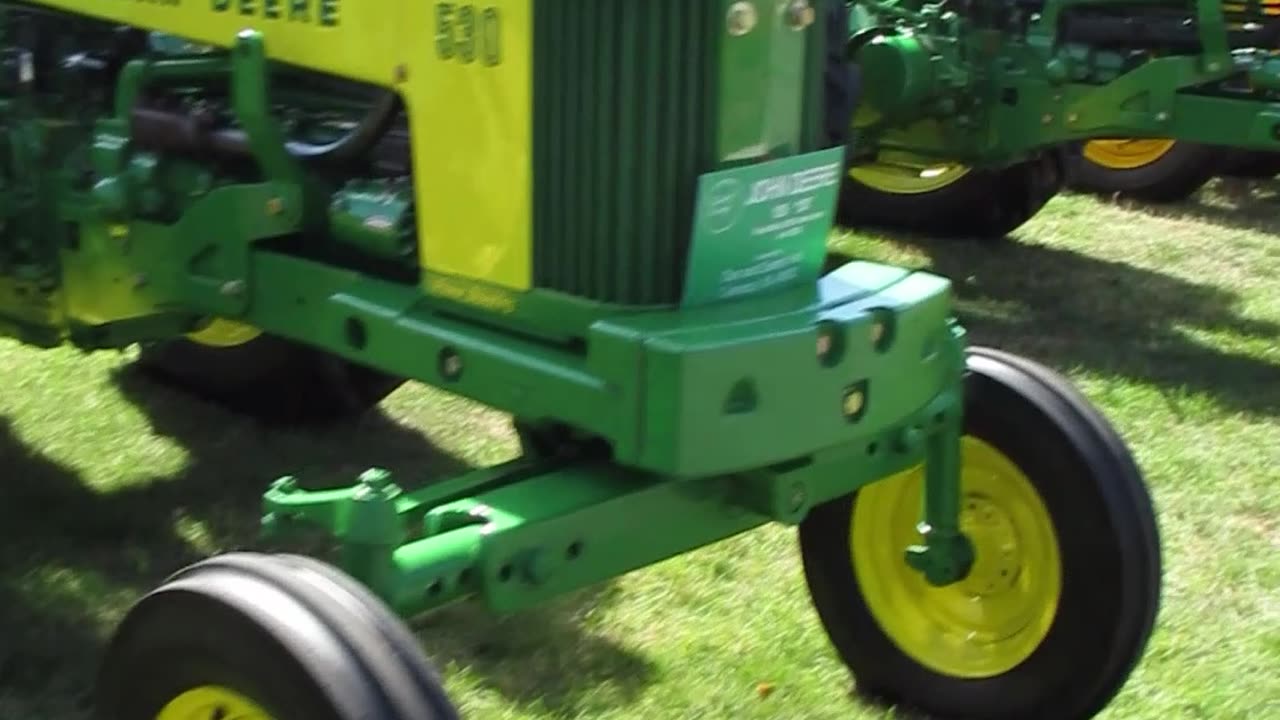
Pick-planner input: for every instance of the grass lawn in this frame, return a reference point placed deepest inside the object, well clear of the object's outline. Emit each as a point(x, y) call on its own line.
point(1170, 320)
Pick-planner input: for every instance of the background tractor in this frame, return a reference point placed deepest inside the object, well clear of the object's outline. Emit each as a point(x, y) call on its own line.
point(608, 220)
point(971, 115)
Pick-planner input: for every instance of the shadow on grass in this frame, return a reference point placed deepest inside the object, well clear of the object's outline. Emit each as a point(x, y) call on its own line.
point(526, 658)
point(1071, 310)
point(72, 558)
point(1233, 203)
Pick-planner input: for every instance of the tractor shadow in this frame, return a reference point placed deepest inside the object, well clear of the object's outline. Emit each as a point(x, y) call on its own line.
point(1234, 203)
point(1070, 310)
point(73, 558)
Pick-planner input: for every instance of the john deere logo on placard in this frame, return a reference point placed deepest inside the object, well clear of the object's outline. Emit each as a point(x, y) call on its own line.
point(802, 182)
point(724, 205)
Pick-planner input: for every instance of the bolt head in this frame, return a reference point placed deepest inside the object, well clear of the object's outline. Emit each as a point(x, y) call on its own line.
point(800, 14)
point(375, 479)
point(824, 346)
point(742, 18)
point(854, 401)
point(877, 333)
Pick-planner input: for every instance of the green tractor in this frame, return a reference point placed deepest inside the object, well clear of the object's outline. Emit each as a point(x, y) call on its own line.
point(972, 115)
point(609, 220)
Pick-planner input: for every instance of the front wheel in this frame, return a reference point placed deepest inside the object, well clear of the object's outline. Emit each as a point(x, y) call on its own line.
point(254, 637)
point(1065, 586)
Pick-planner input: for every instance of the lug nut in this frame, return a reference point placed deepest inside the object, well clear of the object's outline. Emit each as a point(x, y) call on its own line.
point(742, 18)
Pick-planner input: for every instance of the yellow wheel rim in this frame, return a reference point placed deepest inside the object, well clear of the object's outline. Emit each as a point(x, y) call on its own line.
point(212, 703)
point(1126, 154)
point(991, 621)
point(902, 176)
point(221, 332)
point(902, 173)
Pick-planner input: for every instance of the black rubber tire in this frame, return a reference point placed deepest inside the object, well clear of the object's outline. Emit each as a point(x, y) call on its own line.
point(1174, 177)
point(1250, 164)
point(299, 639)
point(269, 378)
point(985, 204)
point(1109, 545)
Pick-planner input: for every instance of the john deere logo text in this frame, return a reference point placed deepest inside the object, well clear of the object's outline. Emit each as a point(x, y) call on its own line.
point(782, 187)
point(319, 12)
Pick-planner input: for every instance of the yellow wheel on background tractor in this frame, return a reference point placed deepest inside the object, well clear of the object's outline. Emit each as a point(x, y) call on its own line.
point(899, 191)
point(220, 332)
point(1157, 170)
point(264, 376)
point(257, 637)
point(1065, 586)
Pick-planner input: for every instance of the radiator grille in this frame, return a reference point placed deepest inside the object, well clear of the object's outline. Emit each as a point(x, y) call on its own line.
point(623, 125)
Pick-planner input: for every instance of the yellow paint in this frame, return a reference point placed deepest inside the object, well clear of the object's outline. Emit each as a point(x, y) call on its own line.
point(907, 178)
point(471, 119)
point(223, 333)
point(472, 129)
point(212, 701)
point(1126, 153)
point(990, 622)
point(489, 297)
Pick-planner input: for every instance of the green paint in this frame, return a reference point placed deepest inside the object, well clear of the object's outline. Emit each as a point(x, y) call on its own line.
point(992, 98)
point(759, 228)
point(271, 9)
point(300, 10)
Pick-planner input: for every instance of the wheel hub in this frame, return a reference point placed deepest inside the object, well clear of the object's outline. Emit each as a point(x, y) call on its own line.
point(1127, 153)
point(993, 619)
point(212, 703)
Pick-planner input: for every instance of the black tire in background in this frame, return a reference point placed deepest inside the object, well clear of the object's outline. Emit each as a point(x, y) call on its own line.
point(268, 378)
point(1158, 176)
point(1250, 164)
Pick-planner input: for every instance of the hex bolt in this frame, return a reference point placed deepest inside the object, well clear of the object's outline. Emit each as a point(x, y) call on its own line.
point(854, 402)
point(800, 14)
point(275, 206)
point(450, 364)
point(798, 497)
point(375, 479)
point(877, 333)
point(824, 346)
point(742, 18)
